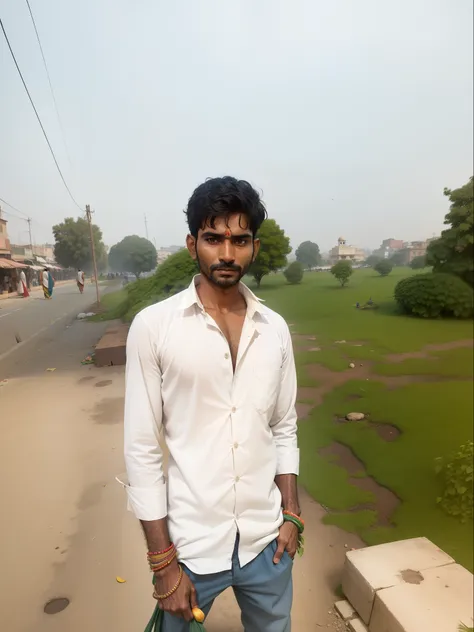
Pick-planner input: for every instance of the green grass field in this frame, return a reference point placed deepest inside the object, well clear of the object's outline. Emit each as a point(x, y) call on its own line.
point(434, 416)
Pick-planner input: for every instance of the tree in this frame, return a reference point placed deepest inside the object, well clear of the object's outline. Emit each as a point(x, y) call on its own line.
point(308, 254)
point(133, 254)
point(453, 252)
point(383, 267)
point(294, 272)
point(418, 263)
point(342, 270)
point(397, 259)
point(274, 248)
point(72, 247)
point(372, 260)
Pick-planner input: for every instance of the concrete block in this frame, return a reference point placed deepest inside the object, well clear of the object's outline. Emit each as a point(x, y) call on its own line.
point(110, 350)
point(370, 569)
point(356, 625)
point(438, 603)
point(344, 609)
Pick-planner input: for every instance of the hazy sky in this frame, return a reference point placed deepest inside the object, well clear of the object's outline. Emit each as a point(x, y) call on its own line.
point(351, 116)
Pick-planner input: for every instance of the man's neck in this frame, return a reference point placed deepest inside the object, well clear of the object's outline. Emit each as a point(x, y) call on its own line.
point(215, 297)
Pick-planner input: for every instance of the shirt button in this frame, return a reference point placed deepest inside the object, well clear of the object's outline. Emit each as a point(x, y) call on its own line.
point(227, 356)
point(237, 479)
point(234, 409)
point(236, 445)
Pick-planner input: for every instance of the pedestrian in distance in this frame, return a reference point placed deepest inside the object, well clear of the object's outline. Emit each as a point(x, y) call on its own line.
point(213, 369)
point(23, 285)
point(80, 280)
point(48, 284)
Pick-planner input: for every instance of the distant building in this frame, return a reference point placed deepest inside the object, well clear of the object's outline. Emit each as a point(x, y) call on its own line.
point(164, 253)
point(388, 248)
point(22, 253)
point(343, 252)
point(45, 251)
point(5, 249)
point(413, 249)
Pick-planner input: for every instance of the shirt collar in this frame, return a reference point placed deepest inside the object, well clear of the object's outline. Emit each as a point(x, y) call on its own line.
point(191, 297)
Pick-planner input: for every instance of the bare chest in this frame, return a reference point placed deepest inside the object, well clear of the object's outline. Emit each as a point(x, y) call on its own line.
point(231, 325)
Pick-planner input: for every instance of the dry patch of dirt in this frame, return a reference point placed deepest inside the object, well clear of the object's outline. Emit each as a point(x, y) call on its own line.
point(308, 393)
point(386, 502)
point(386, 432)
point(424, 353)
point(303, 410)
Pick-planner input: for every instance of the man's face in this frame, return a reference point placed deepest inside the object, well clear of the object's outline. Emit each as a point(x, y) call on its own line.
point(224, 253)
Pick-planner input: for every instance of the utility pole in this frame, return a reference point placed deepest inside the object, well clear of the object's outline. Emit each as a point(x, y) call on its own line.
point(29, 230)
point(146, 227)
point(89, 219)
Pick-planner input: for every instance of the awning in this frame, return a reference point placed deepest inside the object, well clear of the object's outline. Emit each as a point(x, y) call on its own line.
point(9, 263)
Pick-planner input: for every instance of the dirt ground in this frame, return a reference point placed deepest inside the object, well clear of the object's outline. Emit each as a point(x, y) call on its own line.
point(65, 530)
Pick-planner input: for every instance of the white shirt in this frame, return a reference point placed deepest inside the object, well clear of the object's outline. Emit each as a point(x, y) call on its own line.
point(80, 277)
point(228, 434)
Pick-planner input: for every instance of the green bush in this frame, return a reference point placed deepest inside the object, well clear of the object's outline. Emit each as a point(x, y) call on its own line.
point(383, 267)
point(294, 272)
point(172, 276)
point(418, 263)
point(457, 474)
point(434, 295)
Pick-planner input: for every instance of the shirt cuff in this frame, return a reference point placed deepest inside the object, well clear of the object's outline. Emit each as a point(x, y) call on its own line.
point(288, 461)
point(147, 503)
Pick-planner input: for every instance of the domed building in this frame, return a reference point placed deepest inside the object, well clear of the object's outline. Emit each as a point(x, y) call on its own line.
point(343, 252)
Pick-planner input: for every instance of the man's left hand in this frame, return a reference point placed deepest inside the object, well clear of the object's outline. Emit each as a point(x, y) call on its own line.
point(287, 541)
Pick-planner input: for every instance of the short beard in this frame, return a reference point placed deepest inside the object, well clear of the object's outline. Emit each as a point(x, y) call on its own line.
point(223, 283)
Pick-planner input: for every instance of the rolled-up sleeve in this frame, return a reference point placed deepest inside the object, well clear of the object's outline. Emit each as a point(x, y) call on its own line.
point(284, 418)
point(145, 486)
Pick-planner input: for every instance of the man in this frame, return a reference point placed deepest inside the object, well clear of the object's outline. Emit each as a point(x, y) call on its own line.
point(80, 280)
point(213, 369)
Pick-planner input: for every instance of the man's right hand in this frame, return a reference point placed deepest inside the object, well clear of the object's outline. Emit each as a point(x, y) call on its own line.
point(183, 600)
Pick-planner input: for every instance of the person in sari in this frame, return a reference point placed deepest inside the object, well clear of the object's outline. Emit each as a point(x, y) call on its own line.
point(80, 280)
point(23, 285)
point(48, 283)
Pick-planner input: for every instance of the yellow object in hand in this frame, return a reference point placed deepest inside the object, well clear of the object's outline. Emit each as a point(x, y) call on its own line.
point(198, 615)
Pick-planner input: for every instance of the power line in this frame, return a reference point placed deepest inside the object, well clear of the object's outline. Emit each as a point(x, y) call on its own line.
point(3, 211)
point(13, 207)
point(37, 115)
point(49, 81)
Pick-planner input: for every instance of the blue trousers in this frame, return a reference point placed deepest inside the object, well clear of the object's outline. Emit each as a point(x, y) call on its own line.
point(264, 592)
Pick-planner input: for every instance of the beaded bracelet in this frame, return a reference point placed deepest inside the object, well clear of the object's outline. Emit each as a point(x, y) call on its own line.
point(156, 567)
point(173, 590)
point(154, 553)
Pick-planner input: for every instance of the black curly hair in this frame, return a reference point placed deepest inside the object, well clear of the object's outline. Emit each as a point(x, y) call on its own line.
point(221, 197)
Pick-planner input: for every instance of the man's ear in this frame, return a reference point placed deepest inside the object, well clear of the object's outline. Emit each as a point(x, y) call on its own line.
point(191, 246)
point(256, 248)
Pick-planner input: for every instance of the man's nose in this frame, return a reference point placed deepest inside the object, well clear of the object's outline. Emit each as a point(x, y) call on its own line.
point(227, 253)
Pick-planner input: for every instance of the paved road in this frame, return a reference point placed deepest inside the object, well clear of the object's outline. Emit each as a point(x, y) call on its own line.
point(26, 318)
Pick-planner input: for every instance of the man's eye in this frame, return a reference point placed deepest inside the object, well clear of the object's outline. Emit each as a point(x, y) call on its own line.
point(241, 242)
point(211, 240)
